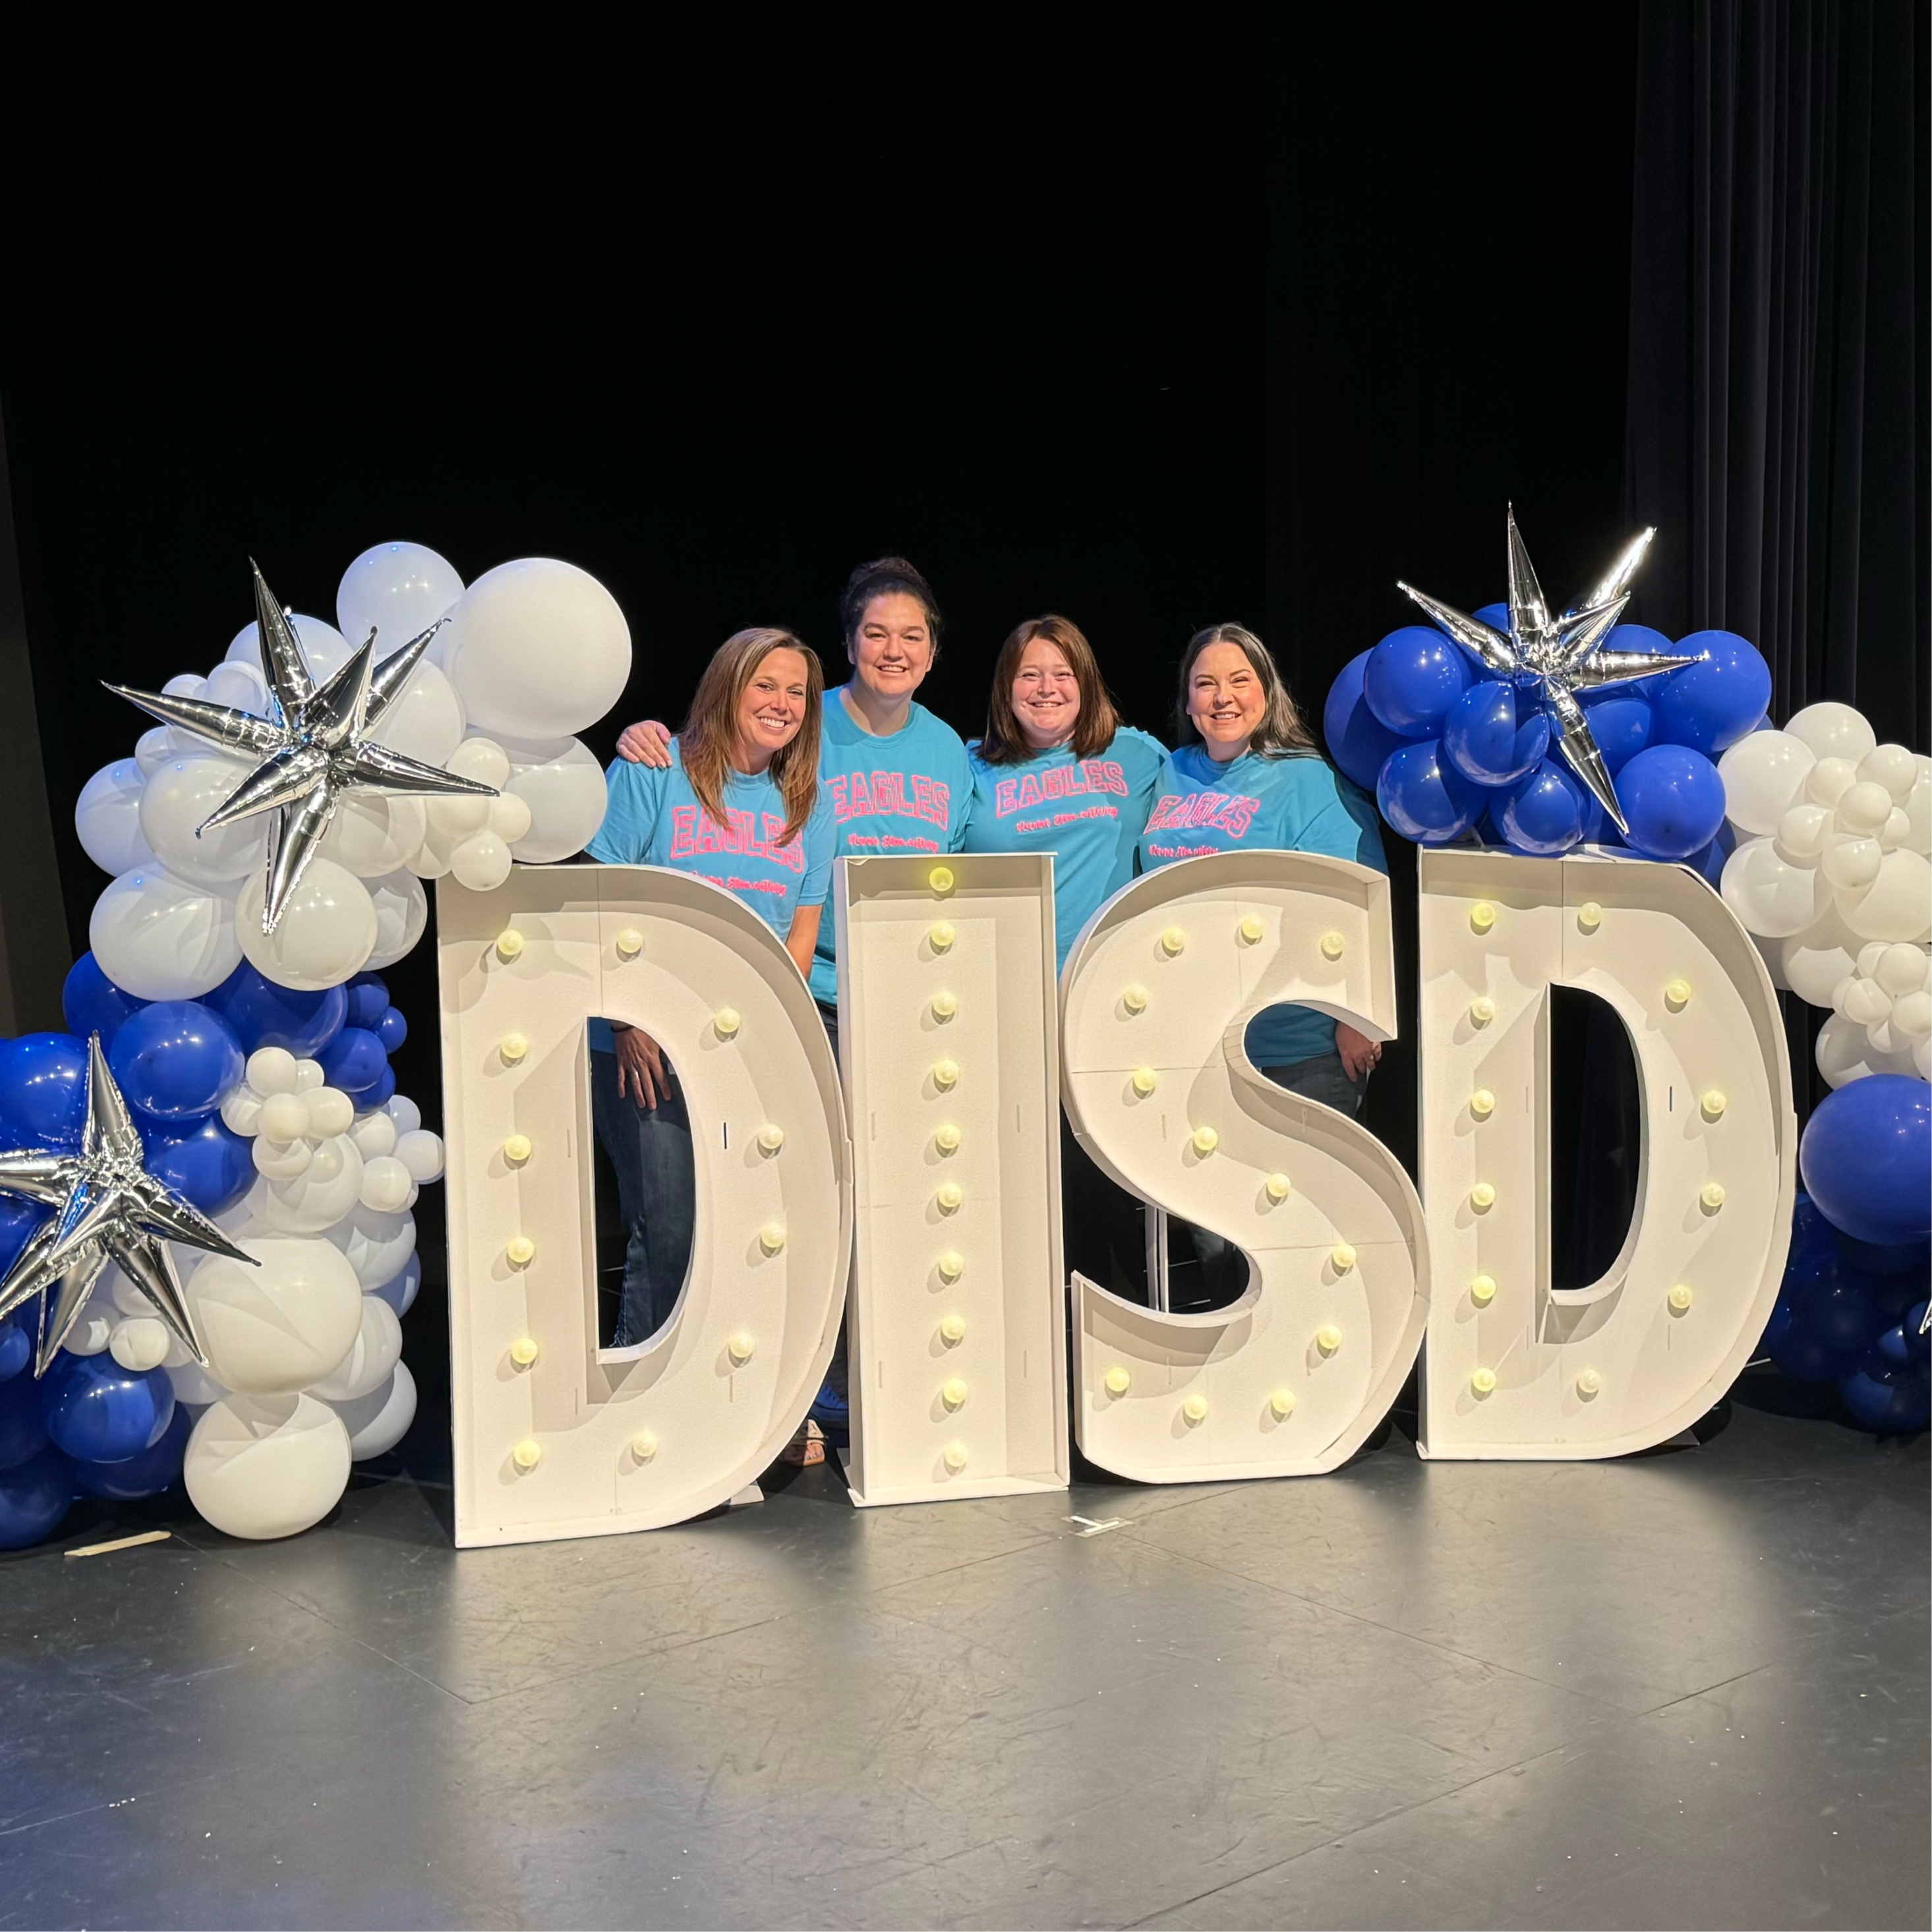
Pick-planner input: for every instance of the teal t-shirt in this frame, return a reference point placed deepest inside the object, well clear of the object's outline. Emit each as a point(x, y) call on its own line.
point(654, 818)
point(1254, 803)
point(1087, 812)
point(905, 794)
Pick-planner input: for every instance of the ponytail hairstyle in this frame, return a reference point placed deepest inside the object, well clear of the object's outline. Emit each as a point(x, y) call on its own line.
point(1281, 733)
point(886, 576)
point(1005, 743)
point(708, 742)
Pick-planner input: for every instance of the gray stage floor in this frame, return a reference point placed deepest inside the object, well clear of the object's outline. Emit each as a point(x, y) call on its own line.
point(1689, 1690)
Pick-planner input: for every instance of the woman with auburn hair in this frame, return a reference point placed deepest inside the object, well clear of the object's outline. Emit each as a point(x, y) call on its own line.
point(737, 802)
point(1248, 777)
point(1057, 772)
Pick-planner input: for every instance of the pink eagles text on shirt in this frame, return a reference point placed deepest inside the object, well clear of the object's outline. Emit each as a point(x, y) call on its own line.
point(1227, 811)
point(884, 795)
point(693, 831)
point(1031, 788)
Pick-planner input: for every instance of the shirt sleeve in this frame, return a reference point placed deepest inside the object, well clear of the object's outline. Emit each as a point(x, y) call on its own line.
point(1340, 823)
point(821, 842)
point(1143, 774)
point(635, 794)
point(958, 772)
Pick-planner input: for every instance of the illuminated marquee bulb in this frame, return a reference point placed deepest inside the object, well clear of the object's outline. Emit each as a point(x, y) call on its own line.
point(772, 1237)
point(952, 1264)
point(1715, 1104)
point(1482, 1103)
point(513, 1046)
point(1283, 1402)
point(1195, 1407)
point(1482, 1009)
point(516, 1149)
point(953, 1330)
point(1482, 1290)
point(1251, 929)
point(1588, 1384)
point(1278, 1187)
point(944, 1005)
point(520, 1250)
point(1205, 1140)
point(947, 1139)
point(771, 1137)
point(1328, 1338)
point(740, 1347)
point(945, 1074)
point(1483, 1381)
point(527, 1454)
point(940, 878)
point(1677, 994)
point(643, 1445)
point(509, 943)
point(1711, 1195)
point(727, 1021)
point(1117, 1381)
point(1134, 998)
point(1482, 1197)
point(1589, 915)
point(955, 1457)
point(1482, 916)
point(952, 1392)
point(630, 943)
point(1145, 1081)
point(1173, 940)
point(1333, 945)
point(1681, 1298)
point(524, 1351)
point(950, 1196)
point(1343, 1256)
point(939, 935)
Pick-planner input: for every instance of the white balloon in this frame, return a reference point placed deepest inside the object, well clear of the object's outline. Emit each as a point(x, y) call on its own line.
point(310, 1078)
point(154, 749)
point(1845, 1053)
point(376, 1349)
point(314, 1201)
point(402, 912)
point(1849, 863)
point(107, 815)
point(1896, 905)
point(1896, 830)
point(239, 686)
point(376, 1422)
point(1771, 897)
point(538, 647)
point(139, 1342)
point(1918, 815)
point(401, 1293)
point(1900, 969)
point(241, 1111)
point(193, 1383)
point(1833, 731)
point(285, 1113)
point(272, 1069)
point(162, 937)
point(1828, 780)
point(1912, 1016)
point(404, 1111)
point(324, 649)
point(509, 818)
point(481, 862)
point(1764, 774)
point(425, 719)
point(1892, 767)
point(1865, 1002)
point(93, 1329)
point(385, 1184)
point(377, 1246)
point(1803, 830)
point(396, 589)
point(261, 1467)
point(327, 931)
point(272, 1329)
point(421, 1153)
point(453, 818)
point(482, 759)
point(179, 795)
point(281, 1160)
point(372, 834)
point(563, 785)
point(374, 1136)
point(331, 1111)
point(1862, 808)
point(1818, 961)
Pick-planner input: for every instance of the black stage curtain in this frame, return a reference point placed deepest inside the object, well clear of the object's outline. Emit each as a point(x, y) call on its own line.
point(1777, 429)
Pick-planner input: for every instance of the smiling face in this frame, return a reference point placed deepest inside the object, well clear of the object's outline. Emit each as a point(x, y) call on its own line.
point(771, 708)
point(1225, 699)
point(893, 649)
point(1045, 696)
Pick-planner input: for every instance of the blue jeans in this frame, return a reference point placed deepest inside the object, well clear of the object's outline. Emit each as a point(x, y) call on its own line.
point(649, 1150)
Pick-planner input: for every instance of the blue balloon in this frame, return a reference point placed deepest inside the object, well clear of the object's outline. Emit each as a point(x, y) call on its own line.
point(34, 1498)
point(1494, 734)
point(93, 1003)
point(1673, 799)
point(378, 1095)
point(1620, 721)
point(1641, 637)
point(392, 1029)
point(1867, 1158)
point(208, 1165)
point(1412, 677)
point(22, 1432)
point(1424, 797)
point(401, 1292)
point(1710, 706)
point(1812, 1237)
point(98, 1411)
point(263, 1014)
point(1496, 616)
point(18, 1220)
point(1829, 1323)
point(1710, 862)
point(1913, 1257)
point(43, 1089)
point(176, 1060)
point(1902, 1346)
point(353, 1060)
point(1543, 815)
point(1900, 1405)
point(145, 1473)
point(368, 994)
point(17, 1346)
point(1357, 740)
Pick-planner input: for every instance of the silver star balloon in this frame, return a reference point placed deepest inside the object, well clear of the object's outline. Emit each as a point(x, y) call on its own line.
point(1552, 658)
point(315, 749)
point(107, 1207)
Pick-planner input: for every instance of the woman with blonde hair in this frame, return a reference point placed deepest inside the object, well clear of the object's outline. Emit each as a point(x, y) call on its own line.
point(738, 802)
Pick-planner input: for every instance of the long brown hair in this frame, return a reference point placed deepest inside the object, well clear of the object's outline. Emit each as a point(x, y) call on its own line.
point(709, 738)
point(1005, 743)
point(1281, 733)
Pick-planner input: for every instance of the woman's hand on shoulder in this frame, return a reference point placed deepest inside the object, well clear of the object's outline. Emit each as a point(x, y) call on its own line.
point(648, 743)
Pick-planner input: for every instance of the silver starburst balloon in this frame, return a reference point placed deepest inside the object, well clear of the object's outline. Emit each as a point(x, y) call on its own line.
point(107, 1207)
point(1552, 658)
point(315, 749)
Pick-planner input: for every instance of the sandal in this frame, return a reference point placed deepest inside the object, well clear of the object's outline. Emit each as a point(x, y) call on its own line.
point(805, 1448)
